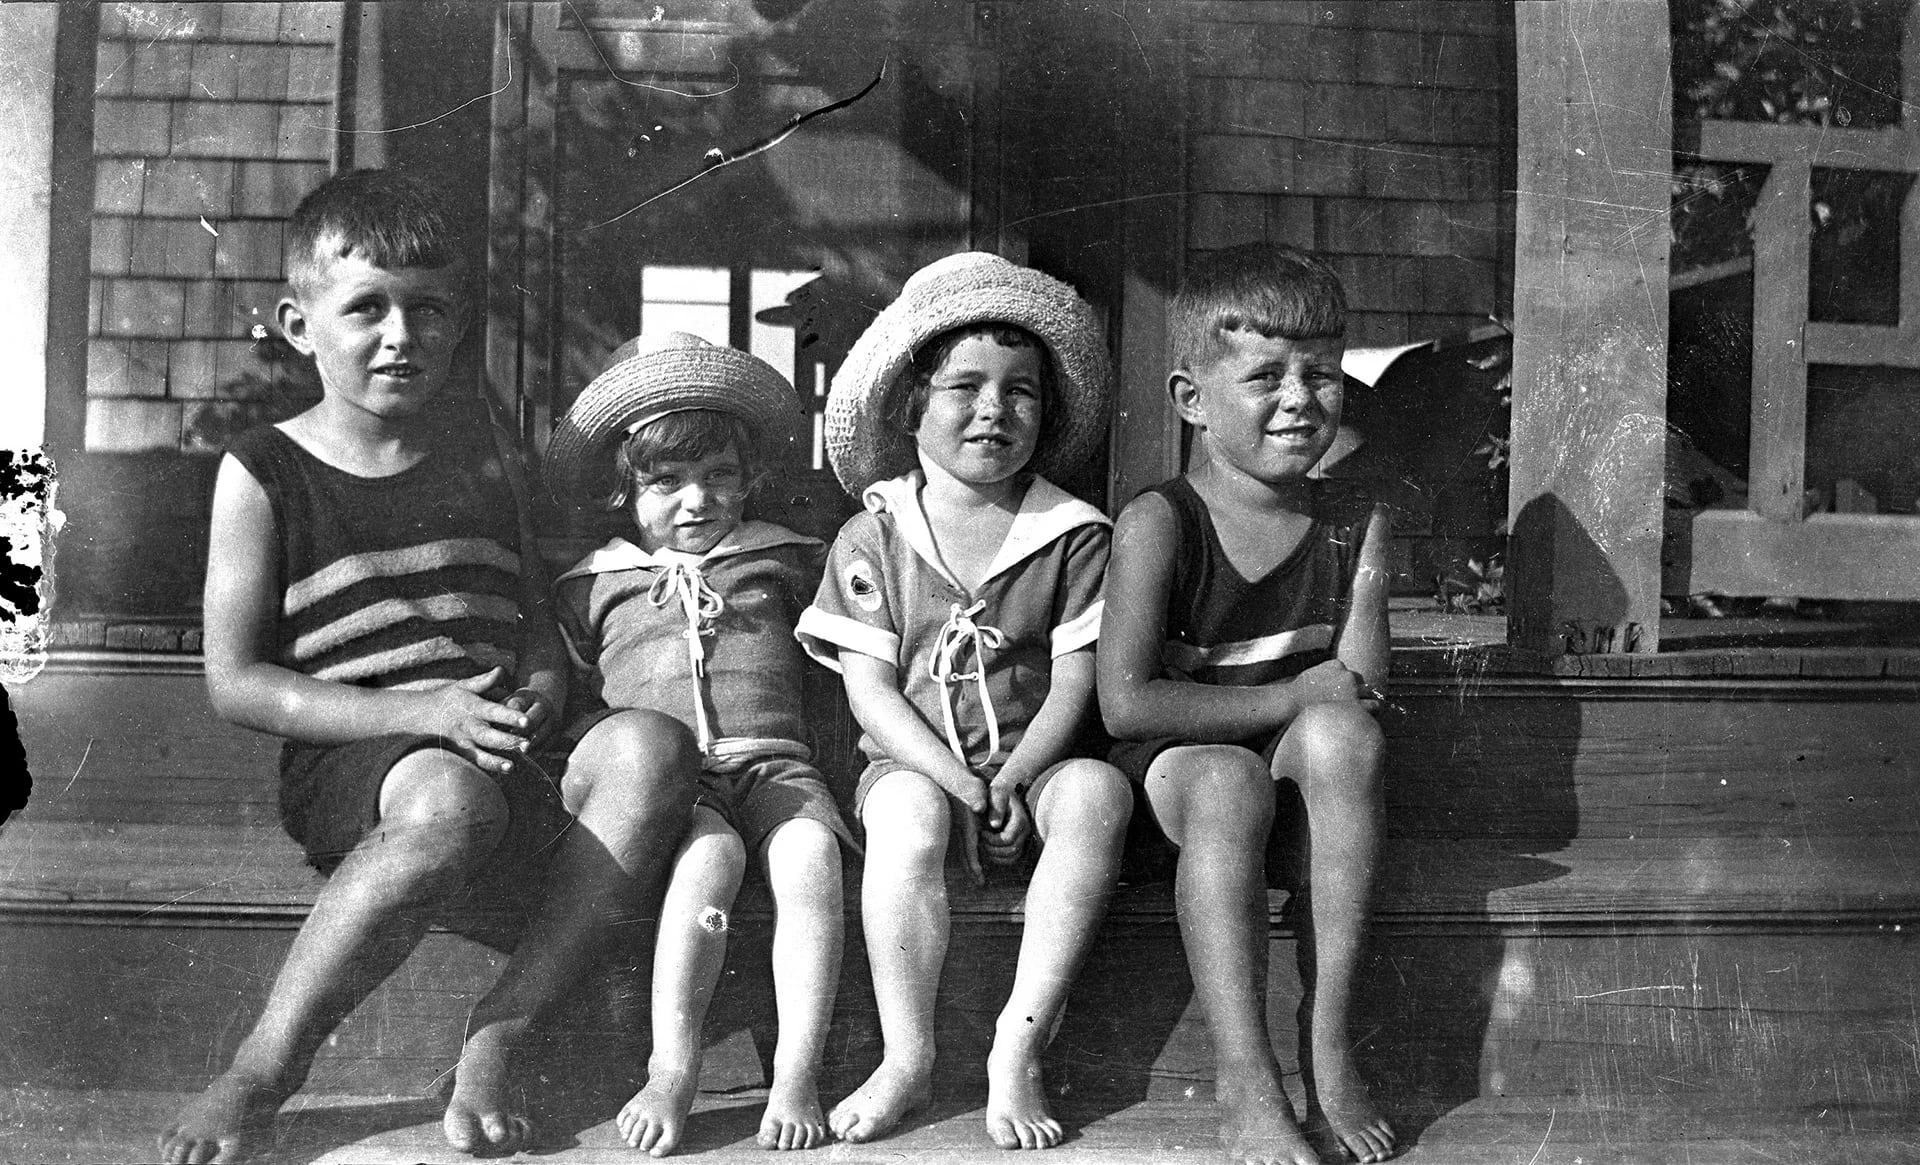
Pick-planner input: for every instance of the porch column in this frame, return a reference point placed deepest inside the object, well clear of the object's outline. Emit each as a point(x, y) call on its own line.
point(1590, 325)
point(27, 88)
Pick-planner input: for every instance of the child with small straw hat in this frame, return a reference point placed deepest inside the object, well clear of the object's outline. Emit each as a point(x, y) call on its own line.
point(693, 616)
point(961, 609)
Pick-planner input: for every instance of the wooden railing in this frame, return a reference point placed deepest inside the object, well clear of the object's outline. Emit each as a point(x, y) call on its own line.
point(1774, 547)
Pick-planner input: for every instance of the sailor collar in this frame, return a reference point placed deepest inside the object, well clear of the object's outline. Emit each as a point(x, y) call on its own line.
point(1046, 513)
point(746, 538)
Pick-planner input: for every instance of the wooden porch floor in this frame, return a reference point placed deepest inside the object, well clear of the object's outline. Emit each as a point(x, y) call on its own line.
point(1663, 1129)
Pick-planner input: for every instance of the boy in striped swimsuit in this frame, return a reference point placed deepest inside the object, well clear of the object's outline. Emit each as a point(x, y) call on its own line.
point(374, 596)
point(1245, 644)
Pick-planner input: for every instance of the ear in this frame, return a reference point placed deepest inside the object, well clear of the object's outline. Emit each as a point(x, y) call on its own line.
point(293, 325)
point(1185, 395)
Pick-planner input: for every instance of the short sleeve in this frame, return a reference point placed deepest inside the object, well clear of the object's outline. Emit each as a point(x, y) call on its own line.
point(1078, 600)
point(804, 566)
point(572, 603)
point(851, 610)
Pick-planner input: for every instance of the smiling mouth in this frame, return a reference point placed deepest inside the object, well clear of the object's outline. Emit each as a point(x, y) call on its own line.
point(398, 371)
point(993, 439)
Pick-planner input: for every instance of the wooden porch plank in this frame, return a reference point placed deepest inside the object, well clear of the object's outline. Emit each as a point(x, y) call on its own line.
point(256, 872)
point(1856, 344)
point(1826, 146)
point(1874, 557)
point(1622, 1129)
point(1778, 446)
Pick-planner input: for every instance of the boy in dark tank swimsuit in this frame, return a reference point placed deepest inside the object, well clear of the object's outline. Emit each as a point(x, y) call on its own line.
point(1245, 644)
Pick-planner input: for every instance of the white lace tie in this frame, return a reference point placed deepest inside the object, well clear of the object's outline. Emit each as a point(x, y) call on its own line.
point(701, 605)
point(957, 635)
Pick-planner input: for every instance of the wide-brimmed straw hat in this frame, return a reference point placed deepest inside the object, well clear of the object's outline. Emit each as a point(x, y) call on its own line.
point(667, 372)
point(969, 288)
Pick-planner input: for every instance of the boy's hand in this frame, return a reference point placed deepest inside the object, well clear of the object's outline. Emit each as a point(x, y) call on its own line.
point(1009, 825)
point(485, 732)
point(1331, 682)
point(534, 705)
point(969, 790)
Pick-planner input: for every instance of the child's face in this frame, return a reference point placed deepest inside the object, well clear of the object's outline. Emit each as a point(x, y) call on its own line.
point(689, 505)
point(1267, 406)
point(382, 338)
point(983, 412)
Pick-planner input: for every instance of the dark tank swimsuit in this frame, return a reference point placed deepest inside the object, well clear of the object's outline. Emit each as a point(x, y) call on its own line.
point(1223, 628)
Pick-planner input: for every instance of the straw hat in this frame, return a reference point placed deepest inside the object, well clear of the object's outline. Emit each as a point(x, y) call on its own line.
point(667, 372)
point(968, 288)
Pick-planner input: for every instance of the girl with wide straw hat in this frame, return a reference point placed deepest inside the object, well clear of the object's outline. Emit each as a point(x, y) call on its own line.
point(961, 608)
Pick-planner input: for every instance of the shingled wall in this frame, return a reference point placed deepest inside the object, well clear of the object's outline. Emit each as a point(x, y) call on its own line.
point(211, 120)
point(1378, 133)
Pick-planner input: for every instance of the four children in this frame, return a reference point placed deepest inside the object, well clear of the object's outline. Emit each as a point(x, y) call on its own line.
point(374, 596)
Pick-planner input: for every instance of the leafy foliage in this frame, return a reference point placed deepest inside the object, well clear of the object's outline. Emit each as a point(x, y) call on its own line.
point(1789, 62)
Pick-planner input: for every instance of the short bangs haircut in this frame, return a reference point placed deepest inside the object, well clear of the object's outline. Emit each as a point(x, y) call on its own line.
point(907, 403)
point(391, 219)
point(1269, 288)
point(687, 435)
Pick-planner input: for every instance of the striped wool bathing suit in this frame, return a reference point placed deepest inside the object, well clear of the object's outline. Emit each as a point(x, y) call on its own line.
point(1226, 629)
point(405, 581)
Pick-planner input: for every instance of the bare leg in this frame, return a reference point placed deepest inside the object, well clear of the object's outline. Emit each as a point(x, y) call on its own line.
point(803, 868)
point(629, 786)
point(439, 819)
point(1082, 818)
point(1216, 804)
point(687, 960)
point(1337, 754)
point(903, 906)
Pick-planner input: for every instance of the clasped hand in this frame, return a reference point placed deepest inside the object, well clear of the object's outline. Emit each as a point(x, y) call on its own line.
point(490, 733)
point(996, 831)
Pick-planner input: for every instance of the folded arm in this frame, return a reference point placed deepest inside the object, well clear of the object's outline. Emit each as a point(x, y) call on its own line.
point(247, 686)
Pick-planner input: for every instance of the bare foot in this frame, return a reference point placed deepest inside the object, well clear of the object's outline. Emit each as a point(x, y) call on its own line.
point(220, 1124)
point(1017, 1115)
point(656, 1117)
point(1257, 1128)
point(478, 1118)
point(893, 1092)
point(793, 1119)
point(1342, 1098)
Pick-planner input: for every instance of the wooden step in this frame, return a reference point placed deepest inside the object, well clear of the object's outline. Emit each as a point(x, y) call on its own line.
point(1591, 889)
point(1652, 1128)
point(141, 873)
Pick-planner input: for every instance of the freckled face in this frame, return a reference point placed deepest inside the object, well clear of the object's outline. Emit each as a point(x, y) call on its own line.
point(382, 338)
point(1268, 406)
point(983, 412)
point(689, 505)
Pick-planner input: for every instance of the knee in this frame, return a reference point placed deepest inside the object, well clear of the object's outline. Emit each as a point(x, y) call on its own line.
point(447, 810)
point(907, 818)
point(716, 849)
point(803, 844)
point(1227, 792)
point(803, 861)
point(1335, 747)
point(646, 759)
point(1087, 797)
